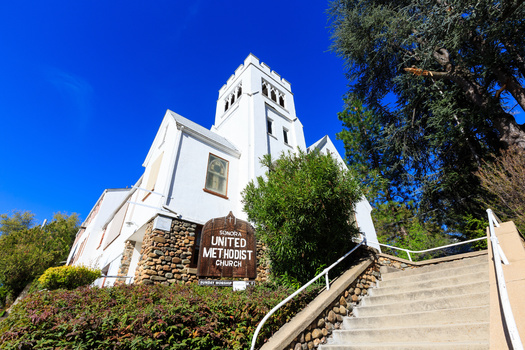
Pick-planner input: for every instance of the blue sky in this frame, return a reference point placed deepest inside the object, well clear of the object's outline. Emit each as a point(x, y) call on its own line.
point(84, 84)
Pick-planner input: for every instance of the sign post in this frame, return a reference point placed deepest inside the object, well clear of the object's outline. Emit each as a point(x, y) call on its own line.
point(228, 249)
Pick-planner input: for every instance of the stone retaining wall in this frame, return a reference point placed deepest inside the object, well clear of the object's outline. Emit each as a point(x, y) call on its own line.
point(332, 318)
point(166, 256)
point(384, 261)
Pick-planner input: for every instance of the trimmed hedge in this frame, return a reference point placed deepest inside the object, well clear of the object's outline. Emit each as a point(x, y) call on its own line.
point(67, 277)
point(146, 317)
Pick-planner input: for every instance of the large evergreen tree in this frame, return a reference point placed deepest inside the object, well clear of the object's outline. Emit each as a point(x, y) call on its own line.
point(468, 53)
point(441, 79)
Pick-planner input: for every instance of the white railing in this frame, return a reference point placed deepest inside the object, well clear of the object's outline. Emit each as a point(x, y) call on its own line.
point(499, 256)
point(324, 273)
point(408, 251)
point(103, 278)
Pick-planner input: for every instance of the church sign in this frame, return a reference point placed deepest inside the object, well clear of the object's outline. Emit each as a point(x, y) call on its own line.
point(228, 249)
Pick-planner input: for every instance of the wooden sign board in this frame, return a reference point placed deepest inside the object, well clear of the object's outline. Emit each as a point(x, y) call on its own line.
point(228, 249)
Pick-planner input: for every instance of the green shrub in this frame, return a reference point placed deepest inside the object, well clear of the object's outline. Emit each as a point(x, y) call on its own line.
point(67, 277)
point(303, 209)
point(3, 295)
point(147, 317)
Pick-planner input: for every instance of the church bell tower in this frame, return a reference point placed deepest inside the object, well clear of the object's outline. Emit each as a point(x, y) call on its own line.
point(256, 112)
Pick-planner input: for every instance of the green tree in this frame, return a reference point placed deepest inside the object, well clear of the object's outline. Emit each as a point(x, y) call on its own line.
point(470, 54)
point(303, 210)
point(27, 253)
point(16, 222)
point(397, 224)
point(441, 79)
point(388, 184)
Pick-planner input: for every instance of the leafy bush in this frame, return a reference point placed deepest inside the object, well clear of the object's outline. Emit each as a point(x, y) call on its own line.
point(146, 317)
point(67, 277)
point(303, 210)
point(3, 295)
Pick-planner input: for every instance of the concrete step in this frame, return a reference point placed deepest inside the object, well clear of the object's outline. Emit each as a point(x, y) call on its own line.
point(436, 283)
point(439, 292)
point(483, 259)
point(439, 307)
point(459, 301)
point(434, 274)
point(472, 345)
point(476, 314)
point(434, 333)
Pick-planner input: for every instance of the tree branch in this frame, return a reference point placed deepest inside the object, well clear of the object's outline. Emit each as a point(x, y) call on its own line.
point(513, 86)
point(472, 90)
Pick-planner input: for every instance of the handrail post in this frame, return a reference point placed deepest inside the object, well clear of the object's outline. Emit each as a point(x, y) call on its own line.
point(327, 281)
point(409, 257)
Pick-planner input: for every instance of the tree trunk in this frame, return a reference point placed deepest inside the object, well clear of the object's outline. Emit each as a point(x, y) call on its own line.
point(511, 133)
point(512, 85)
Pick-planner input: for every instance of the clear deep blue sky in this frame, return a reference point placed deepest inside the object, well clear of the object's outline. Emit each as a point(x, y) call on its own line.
point(84, 84)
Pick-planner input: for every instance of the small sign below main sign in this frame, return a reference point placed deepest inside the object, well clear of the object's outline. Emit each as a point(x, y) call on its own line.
point(228, 249)
point(237, 285)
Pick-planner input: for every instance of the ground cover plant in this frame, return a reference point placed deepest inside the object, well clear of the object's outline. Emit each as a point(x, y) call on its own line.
point(146, 317)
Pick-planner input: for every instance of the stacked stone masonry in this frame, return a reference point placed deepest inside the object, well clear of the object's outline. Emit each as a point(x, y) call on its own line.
point(318, 331)
point(125, 262)
point(166, 256)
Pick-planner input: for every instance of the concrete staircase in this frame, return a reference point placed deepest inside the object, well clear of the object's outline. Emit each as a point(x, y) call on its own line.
point(443, 306)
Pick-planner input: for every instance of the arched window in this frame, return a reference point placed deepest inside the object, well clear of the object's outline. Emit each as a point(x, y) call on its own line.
point(281, 100)
point(217, 175)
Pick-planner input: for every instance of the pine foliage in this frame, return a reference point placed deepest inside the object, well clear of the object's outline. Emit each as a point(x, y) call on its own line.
point(440, 81)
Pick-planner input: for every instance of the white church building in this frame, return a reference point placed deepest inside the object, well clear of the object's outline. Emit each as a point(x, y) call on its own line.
point(192, 174)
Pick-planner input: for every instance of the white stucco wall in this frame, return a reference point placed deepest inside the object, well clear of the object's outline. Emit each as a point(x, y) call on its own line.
point(110, 200)
point(276, 138)
point(365, 224)
point(188, 196)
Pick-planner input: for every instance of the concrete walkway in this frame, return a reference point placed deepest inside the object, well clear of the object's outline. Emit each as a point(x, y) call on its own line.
point(512, 245)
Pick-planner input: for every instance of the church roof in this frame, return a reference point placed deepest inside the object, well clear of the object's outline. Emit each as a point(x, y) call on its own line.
point(319, 144)
point(205, 134)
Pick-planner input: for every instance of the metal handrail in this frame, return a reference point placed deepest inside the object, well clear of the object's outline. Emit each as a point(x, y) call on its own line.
point(325, 273)
point(125, 277)
point(499, 256)
point(408, 251)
